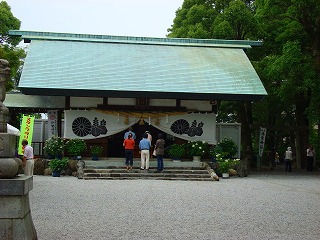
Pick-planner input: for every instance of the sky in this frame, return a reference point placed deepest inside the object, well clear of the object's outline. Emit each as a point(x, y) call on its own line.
point(139, 18)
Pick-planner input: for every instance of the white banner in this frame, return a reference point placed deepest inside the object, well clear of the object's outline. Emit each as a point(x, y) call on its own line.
point(262, 139)
point(90, 124)
point(52, 123)
point(190, 127)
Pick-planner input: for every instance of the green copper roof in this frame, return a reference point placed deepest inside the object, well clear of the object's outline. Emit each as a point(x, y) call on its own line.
point(19, 100)
point(80, 65)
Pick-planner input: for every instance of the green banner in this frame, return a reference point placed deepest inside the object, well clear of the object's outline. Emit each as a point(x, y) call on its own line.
point(26, 131)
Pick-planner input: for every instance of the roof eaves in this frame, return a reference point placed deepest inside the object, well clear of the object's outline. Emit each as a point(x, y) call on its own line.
point(135, 94)
point(33, 35)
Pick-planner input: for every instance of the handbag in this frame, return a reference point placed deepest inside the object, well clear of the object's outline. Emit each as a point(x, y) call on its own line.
point(154, 152)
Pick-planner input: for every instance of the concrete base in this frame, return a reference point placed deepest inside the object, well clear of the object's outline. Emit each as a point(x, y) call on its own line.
point(15, 215)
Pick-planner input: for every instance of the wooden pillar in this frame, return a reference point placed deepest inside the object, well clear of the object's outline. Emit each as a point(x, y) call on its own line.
point(59, 123)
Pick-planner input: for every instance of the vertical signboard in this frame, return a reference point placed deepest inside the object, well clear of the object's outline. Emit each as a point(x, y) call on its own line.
point(262, 139)
point(52, 123)
point(26, 131)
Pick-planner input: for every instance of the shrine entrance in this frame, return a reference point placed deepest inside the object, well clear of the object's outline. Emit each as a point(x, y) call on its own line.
point(115, 148)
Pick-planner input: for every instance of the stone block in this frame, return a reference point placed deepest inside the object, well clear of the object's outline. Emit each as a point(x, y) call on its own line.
point(15, 215)
point(7, 145)
point(20, 185)
point(14, 206)
point(24, 228)
point(6, 230)
point(17, 229)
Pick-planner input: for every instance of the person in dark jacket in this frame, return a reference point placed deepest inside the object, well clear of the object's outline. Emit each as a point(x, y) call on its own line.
point(159, 147)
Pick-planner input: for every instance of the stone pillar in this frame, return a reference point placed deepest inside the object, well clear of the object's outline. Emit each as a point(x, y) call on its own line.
point(15, 215)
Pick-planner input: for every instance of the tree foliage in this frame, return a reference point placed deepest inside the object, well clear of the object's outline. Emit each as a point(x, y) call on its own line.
point(8, 44)
point(291, 34)
point(8, 22)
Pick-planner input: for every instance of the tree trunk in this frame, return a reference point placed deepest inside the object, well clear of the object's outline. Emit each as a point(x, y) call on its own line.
point(244, 113)
point(302, 131)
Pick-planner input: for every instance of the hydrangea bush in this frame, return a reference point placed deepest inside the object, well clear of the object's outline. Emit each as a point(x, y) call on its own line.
point(227, 148)
point(197, 148)
point(223, 153)
point(224, 164)
point(54, 146)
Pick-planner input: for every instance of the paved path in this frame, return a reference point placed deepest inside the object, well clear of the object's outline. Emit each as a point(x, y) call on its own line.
point(261, 206)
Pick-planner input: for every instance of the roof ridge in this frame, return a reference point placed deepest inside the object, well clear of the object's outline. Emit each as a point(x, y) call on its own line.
point(34, 35)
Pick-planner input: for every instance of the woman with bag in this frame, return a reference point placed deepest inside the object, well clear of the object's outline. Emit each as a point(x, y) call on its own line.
point(159, 148)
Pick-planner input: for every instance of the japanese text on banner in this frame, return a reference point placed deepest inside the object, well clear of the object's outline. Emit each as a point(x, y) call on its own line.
point(52, 123)
point(262, 139)
point(26, 130)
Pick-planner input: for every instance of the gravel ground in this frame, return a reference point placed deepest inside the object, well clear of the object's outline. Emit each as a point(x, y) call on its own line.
point(261, 206)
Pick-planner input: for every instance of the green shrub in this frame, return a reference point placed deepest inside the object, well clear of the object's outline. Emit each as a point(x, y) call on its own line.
point(76, 146)
point(227, 148)
point(176, 151)
point(96, 150)
point(58, 164)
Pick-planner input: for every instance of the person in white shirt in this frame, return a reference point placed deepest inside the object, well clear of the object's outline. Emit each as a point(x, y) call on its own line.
point(288, 160)
point(27, 159)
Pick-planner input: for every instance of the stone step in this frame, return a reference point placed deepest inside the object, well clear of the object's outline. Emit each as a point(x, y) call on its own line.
point(146, 175)
point(137, 170)
point(153, 178)
point(122, 167)
point(171, 173)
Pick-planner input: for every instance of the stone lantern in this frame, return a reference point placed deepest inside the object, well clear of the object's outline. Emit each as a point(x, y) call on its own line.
point(15, 215)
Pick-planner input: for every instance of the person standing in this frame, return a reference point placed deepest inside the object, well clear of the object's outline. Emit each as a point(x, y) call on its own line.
point(144, 146)
point(130, 131)
point(288, 160)
point(277, 158)
point(272, 158)
point(310, 157)
point(149, 136)
point(159, 147)
point(27, 159)
point(128, 144)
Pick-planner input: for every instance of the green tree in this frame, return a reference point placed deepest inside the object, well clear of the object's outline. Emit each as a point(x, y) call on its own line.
point(8, 44)
point(194, 20)
point(235, 22)
point(291, 34)
point(8, 22)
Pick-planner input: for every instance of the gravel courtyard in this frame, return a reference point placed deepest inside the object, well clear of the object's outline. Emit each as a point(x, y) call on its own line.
point(261, 206)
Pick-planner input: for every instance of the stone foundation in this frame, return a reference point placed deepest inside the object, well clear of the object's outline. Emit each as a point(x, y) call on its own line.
point(15, 215)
